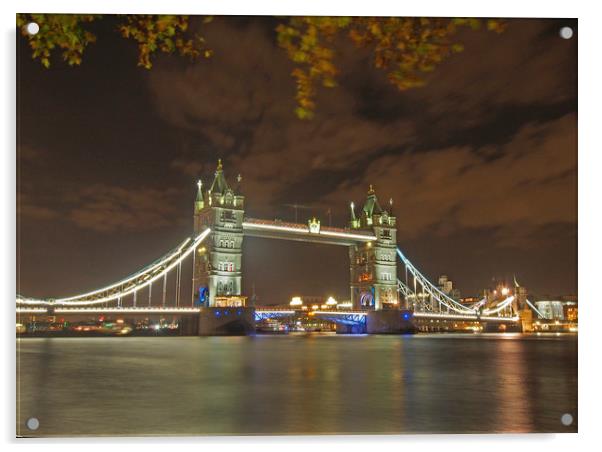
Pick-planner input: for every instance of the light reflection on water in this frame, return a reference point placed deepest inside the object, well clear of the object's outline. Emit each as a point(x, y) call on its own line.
point(297, 384)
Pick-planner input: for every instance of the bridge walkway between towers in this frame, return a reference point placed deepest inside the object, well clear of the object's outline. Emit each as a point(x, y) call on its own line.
point(312, 232)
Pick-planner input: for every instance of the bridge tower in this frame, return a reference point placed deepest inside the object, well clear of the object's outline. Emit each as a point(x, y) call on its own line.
point(373, 266)
point(217, 273)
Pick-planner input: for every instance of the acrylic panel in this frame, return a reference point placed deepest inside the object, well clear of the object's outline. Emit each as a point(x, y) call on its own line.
point(295, 225)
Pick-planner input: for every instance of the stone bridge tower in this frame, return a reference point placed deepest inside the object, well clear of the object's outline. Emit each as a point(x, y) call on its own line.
point(217, 274)
point(373, 266)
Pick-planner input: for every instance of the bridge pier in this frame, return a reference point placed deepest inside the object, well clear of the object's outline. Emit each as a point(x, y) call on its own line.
point(343, 328)
point(226, 321)
point(501, 327)
point(189, 325)
point(388, 321)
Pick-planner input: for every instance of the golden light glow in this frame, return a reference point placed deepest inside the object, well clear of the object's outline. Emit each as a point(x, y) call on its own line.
point(296, 301)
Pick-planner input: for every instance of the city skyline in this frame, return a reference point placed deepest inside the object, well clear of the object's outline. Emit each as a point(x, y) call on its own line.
point(108, 160)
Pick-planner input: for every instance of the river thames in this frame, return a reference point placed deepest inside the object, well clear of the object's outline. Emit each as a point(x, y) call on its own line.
point(297, 384)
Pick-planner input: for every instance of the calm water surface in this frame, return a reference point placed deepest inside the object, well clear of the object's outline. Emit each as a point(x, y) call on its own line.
point(297, 384)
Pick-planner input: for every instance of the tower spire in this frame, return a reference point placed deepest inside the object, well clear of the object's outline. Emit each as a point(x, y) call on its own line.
point(199, 193)
point(219, 185)
point(371, 206)
point(199, 203)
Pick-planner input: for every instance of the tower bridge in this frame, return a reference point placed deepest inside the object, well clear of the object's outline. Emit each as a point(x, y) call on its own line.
point(383, 299)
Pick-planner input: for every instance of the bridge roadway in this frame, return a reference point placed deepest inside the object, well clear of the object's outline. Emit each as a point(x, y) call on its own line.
point(260, 312)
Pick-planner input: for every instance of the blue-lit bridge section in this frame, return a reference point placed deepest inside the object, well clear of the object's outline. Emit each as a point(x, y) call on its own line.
point(343, 317)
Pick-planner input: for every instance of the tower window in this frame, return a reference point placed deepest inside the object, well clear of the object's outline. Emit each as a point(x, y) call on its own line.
point(227, 215)
point(226, 266)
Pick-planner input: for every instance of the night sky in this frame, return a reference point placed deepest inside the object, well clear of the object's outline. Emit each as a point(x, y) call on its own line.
point(481, 162)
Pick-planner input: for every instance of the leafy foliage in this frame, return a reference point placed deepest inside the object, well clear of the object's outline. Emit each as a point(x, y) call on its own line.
point(308, 43)
point(62, 31)
point(163, 33)
point(152, 33)
point(406, 48)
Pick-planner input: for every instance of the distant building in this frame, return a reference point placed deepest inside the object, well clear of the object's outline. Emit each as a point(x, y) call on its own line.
point(572, 298)
point(570, 305)
point(470, 300)
point(565, 308)
point(551, 309)
point(446, 286)
point(571, 311)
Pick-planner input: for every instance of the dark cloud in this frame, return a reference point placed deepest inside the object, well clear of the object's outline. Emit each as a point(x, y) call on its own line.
point(481, 162)
point(501, 109)
point(105, 209)
point(186, 166)
point(532, 183)
point(28, 209)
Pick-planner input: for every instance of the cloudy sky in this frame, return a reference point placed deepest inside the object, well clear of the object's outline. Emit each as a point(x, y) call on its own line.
point(481, 162)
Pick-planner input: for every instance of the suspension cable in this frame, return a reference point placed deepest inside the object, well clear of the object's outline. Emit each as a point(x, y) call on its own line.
point(432, 289)
point(164, 288)
point(178, 278)
point(128, 286)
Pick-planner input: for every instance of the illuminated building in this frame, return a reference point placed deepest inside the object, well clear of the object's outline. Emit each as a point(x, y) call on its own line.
point(565, 308)
point(571, 311)
point(551, 309)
